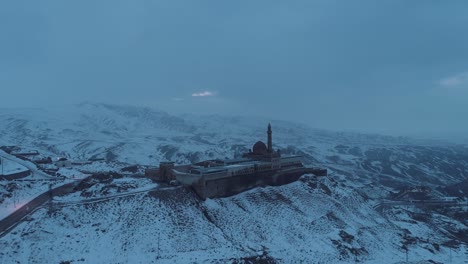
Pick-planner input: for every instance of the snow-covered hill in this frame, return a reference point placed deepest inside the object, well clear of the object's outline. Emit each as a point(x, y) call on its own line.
point(326, 220)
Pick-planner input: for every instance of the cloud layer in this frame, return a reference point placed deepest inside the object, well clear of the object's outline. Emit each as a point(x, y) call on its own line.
point(335, 65)
point(458, 80)
point(203, 94)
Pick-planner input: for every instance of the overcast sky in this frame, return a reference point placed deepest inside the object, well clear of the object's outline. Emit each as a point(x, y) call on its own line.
point(393, 67)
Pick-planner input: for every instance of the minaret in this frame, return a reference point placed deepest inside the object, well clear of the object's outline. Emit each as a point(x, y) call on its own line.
point(270, 140)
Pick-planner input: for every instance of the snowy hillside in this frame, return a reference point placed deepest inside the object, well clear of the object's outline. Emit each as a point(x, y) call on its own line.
point(342, 218)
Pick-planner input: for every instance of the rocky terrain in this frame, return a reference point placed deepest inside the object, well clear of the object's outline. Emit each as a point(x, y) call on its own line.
point(344, 217)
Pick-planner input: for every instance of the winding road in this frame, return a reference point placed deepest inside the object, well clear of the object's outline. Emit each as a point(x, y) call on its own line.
point(107, 198)
point(35, 172)
point(14, 219)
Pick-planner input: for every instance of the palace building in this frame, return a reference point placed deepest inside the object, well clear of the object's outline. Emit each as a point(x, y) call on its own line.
point(220, 178)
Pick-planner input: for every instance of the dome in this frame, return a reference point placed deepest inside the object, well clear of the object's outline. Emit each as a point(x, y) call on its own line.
point(260, 148)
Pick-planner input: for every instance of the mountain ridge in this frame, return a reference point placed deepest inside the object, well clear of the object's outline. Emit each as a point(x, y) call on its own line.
point(341, 218)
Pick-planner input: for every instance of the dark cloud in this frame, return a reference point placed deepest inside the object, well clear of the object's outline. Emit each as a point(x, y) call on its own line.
point(367, 65)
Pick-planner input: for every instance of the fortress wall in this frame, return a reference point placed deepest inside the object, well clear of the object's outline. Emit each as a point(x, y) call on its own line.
point(224, 187)
point(152, 173)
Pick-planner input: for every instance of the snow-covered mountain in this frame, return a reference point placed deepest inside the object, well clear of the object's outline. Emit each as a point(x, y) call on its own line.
point(340, 218)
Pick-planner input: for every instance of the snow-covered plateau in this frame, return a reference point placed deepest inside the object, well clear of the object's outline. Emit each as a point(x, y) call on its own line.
point(374, 207)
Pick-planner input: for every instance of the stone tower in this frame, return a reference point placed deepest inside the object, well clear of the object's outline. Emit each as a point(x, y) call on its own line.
point(270, 140)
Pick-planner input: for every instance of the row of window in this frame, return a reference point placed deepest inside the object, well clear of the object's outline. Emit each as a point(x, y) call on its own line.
point(284, 163)
point(243, 171)
point(288, 162)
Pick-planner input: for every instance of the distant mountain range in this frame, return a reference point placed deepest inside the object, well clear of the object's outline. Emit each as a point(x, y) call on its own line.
point(333, 219)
